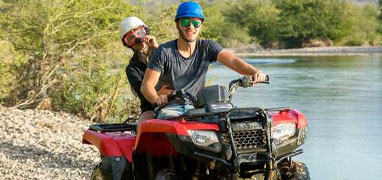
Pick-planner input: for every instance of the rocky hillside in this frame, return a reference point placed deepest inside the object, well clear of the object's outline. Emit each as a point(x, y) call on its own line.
point(43, 145)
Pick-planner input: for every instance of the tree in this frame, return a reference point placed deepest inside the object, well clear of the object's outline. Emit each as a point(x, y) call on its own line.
point(217, 27)
point(257, 17)
point(304, 20)
point(365, 25)
point(70, 50)
point(380, 8)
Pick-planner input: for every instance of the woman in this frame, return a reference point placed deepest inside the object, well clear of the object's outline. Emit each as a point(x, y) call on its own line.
point(134, 34)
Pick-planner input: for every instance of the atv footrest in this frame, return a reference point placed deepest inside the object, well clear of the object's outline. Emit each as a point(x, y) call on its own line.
point(113, 127)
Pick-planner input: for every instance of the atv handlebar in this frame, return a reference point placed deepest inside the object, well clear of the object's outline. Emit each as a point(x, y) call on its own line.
point(177, 97)
point(183, 97)
point(246, 81)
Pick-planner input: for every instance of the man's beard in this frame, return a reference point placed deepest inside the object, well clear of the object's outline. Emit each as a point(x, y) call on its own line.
point(184, 36)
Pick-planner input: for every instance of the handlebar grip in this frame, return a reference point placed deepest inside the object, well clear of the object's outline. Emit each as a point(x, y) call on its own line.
point(171, 97)
point(181, 96)
point(247, 81)
point(266, 80)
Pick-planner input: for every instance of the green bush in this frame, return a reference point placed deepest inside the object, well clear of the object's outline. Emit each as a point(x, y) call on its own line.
point(97, 94)
point(304, 20)
point(69, 45)
point(10, 63)
point(160, 19)
point(217, 25)
point(258, 17)
point(214, 21)
point(67, 54)
point(365, 26)
point(380, 8)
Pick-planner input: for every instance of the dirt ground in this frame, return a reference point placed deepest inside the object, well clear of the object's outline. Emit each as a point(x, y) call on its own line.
point(38, 144)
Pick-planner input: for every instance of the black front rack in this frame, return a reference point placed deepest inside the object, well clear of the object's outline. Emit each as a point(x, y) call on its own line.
point(114, 127)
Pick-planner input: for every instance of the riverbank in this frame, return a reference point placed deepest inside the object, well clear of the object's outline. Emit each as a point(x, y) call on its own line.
point(250, 51)
point(38, 144)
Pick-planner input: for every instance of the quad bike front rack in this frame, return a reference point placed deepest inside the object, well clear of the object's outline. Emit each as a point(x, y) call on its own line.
point(113, 127)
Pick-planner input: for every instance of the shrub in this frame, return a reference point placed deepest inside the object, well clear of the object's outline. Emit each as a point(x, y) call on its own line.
point(365, 26)
point(303, 20)
point(218, 26)
point(65, 43)
point(256, 17)
point(10, 64)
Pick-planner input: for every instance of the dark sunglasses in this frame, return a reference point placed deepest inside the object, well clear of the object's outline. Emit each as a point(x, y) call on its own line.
point(186, 22)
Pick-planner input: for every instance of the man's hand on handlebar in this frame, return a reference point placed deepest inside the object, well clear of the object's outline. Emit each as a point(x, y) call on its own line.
point(163, 93)
point(252, 80)
point(247, 81)
point(161, 100)
point(259, 77)
point(177, 97)
point(165, 90)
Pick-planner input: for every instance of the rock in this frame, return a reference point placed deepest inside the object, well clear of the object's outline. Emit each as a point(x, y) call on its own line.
point(40, 144)
point(317, 43)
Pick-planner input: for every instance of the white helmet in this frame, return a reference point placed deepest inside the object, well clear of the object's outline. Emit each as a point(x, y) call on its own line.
point(129, 24)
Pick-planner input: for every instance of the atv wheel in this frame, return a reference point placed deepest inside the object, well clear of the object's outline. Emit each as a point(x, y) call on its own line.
point(294, 171)
point(97, 173)
point(166, 174)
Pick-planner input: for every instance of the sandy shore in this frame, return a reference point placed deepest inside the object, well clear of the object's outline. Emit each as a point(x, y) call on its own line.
point(315, 51)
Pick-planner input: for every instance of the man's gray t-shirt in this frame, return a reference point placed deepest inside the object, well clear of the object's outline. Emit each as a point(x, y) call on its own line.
point(179, 72)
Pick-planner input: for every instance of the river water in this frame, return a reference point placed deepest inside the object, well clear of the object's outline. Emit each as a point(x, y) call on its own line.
point(342, 100)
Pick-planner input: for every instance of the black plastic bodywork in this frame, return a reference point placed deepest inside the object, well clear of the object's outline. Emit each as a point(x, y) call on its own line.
point(116, 167)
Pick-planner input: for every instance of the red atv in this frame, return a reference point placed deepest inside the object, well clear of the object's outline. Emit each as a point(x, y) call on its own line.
point(216, 140)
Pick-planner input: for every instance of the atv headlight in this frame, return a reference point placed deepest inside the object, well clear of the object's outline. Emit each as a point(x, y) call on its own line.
point(203, 138)
point(283, 131)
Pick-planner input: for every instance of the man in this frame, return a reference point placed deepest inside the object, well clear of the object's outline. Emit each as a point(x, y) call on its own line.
point(183, 63)
point(134, 34)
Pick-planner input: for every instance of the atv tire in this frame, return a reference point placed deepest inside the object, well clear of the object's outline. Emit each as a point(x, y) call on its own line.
point(166, 174)
point(97, 173)
point(102, 171)
point(294, 171)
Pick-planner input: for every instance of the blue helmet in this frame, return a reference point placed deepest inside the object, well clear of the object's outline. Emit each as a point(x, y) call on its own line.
point(189, 9)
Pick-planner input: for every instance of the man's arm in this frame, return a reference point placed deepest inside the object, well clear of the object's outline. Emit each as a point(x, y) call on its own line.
point(150, 80)
point(235, 63)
